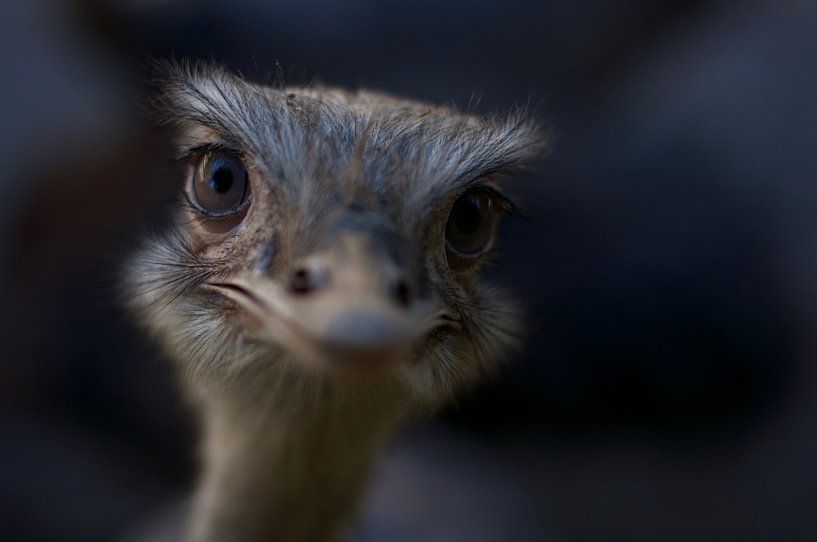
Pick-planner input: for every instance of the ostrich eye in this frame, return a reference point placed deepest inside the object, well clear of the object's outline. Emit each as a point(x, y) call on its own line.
point(470, 227)
point(220, 184)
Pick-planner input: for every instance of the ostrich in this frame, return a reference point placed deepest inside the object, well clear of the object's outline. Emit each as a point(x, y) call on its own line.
point(320, 284)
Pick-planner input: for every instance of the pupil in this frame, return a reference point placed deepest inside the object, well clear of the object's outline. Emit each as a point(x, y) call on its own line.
point(469, 217)
point(221, 180)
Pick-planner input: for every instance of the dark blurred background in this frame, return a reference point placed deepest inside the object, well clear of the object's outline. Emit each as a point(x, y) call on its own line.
point(669, 263)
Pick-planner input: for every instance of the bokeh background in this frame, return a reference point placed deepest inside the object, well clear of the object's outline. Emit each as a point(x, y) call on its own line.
point(668, 261)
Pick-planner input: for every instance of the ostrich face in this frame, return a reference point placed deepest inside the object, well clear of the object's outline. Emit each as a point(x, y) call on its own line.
point(331, 234)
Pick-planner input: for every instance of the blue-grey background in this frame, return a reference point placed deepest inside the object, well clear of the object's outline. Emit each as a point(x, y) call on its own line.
point(669, 263)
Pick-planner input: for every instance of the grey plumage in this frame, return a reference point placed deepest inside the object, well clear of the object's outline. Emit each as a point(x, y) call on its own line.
point(359, 179)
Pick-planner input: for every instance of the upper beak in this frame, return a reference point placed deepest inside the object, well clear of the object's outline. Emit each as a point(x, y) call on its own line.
point(349, 309)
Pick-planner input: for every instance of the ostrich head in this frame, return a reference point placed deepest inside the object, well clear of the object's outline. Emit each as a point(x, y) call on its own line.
point(330, 236)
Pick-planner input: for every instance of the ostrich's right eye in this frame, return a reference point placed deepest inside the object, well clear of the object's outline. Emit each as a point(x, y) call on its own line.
point(220, 184)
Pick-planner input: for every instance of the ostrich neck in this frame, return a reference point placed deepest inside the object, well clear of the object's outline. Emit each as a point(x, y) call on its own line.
point(285, 474)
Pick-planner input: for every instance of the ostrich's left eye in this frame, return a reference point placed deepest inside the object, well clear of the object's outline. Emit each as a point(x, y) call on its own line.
point(471, 224)
point(220, 184)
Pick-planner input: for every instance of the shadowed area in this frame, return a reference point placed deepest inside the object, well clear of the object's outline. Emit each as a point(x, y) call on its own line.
point(666, 259)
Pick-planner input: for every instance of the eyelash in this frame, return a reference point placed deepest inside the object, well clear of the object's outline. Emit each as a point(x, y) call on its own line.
point(190, 153)
point(507, 204)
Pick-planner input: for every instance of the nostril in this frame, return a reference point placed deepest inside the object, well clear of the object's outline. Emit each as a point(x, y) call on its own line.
point(402, 293)
point(301, 282)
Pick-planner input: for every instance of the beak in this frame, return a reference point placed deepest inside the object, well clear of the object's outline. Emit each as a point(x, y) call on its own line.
point(349, 309)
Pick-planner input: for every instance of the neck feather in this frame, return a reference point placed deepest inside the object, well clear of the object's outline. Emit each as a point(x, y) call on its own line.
point(288, 469)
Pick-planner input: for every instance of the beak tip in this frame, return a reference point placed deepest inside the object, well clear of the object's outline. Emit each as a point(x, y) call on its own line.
point(364, 330)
